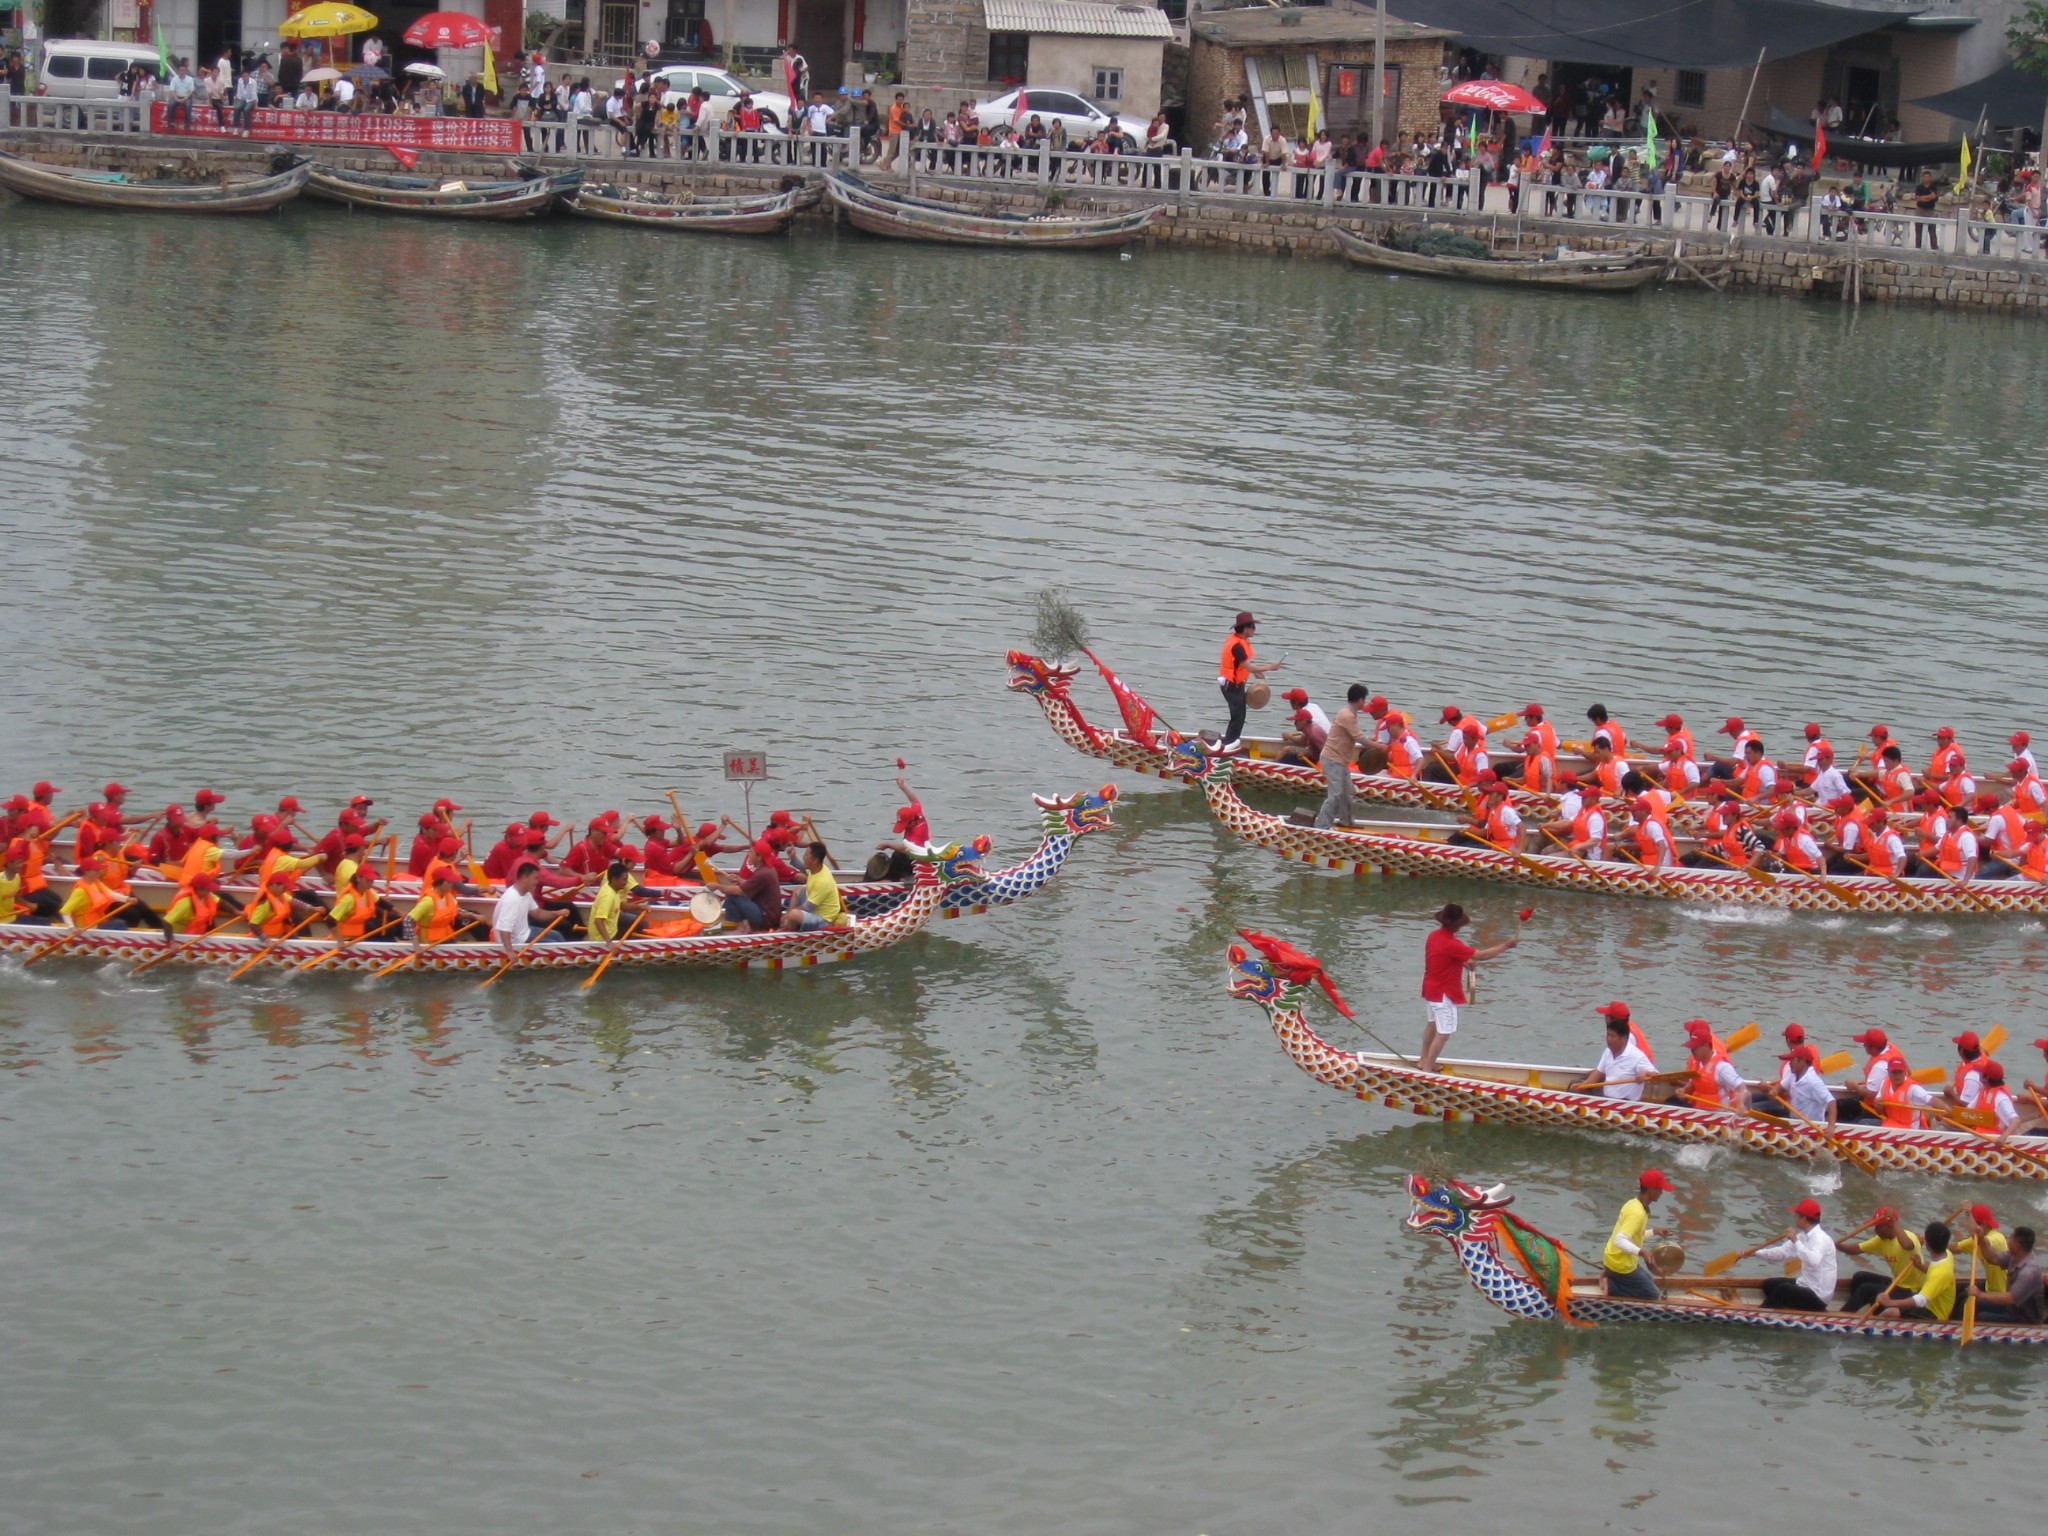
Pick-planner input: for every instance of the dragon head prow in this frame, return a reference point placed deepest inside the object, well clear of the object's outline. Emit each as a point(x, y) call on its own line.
point(1078, 815)
point(1197, 759)
point(1448, 1207)
point(952, 862)
point(1028, 674)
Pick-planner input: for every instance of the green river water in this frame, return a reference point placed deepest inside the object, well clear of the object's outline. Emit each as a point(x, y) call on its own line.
point(1023, 1226)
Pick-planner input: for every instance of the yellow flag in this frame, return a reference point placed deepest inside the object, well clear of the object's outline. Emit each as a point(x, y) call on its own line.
point(1315, 110)
point(491, 73)
point(1963, 175)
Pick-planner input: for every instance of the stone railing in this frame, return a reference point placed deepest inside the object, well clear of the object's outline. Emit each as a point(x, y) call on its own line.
point(57, 114)
point(591, 139)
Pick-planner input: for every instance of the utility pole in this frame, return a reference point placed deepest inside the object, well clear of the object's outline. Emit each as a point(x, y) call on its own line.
point(1379, 70)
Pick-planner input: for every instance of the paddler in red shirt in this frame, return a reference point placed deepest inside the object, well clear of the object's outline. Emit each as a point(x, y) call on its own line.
point(507, 853)
point(1444, 958)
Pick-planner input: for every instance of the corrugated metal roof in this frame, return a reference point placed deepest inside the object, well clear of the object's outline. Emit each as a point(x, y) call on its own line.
point(1082, 18)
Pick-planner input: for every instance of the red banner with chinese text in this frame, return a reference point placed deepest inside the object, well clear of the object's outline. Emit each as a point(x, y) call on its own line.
point(489, 135)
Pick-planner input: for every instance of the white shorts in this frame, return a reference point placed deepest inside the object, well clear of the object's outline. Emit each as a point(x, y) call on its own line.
point(1444, 1016)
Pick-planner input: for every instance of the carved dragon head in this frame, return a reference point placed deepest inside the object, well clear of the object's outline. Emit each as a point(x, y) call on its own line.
point(1253, 979)
point(1030, 675)
point(1078, 815)
point(1195, 760)
point(954, 862)
point(1452, 1209)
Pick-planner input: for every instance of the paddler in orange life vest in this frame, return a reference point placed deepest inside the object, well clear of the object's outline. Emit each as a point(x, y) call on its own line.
point(1234, 672)
point(1756, 776)
point(436, 916)
point(1495, 822)
point(95, 904)
point(1608, 766)
point(1793, 849)
point(1715, 1083)
point(1681, 773)
point(1880, 1054)
point(2029, 794)
point(1538, 747)
point(1947, 760)
point(196, 906)
point(1652, 834)
point(1740, 736)
point(277, 906)
point(1604, 725)
point(2004, 838)
point(31, 898)
point(1849, 848)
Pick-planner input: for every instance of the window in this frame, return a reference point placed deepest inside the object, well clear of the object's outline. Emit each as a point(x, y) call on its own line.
point(1692, 87)
point(107, 69)
point(1109, 85)
point(1009, 57)
point(1059, 101)
point(64, 66)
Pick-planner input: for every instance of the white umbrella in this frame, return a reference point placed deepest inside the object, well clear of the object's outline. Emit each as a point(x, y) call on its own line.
point(426, 71)
point(316, 76)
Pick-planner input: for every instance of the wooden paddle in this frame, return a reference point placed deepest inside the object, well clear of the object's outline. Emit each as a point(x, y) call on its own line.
point(1847, 1153)
point(1748, 869)
point(2008, 863)
point(1728, 1261)
point(1834, 1062)
point(591, 980)
point(341, 945)
point(1747, 1035)
point(411, 955)
point(520, 953)
point(477, 877)
point(171, 942)
point(272, 947)
point(1969, 1328)
point(44, 951)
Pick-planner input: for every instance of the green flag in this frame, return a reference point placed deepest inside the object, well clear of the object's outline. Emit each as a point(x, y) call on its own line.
point(163, 54)
point(1649, 137)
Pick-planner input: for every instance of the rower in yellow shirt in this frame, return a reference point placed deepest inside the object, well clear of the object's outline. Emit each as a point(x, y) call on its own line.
point(1936, 1299)
point(1895, 1243)
point(1626, 1269)
point(821, 905)
point(614, 896)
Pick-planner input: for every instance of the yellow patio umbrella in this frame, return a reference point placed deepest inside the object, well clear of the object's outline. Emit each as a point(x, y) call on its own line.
point(327, 20)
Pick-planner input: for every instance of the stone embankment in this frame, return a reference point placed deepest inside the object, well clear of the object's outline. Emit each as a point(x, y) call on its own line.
point(1824, 270)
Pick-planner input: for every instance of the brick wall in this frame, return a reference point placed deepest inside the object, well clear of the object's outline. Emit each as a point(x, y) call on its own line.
point(945, 45)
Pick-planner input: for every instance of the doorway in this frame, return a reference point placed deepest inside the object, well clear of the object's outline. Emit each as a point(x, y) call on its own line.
point(819, 31)
point(220, 30)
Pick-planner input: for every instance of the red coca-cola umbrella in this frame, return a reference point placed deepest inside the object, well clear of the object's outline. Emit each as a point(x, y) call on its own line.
point(1492, 95)
point(447, 29)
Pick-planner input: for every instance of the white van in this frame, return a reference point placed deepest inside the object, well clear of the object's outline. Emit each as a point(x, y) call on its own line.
point(75, 67)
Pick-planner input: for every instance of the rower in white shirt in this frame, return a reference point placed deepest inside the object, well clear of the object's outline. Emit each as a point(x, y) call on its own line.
point(1808, 1242)
point(1829, 782)
point(1623, 1067)
point(512, 925)
point(2023, 752)
point(1807, 1091)
point(1299, 698)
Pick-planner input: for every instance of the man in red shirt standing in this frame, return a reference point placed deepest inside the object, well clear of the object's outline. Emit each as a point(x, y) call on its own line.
point(1444, 958)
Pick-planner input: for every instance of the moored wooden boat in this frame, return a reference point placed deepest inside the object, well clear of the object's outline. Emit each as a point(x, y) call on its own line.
point(1520, 1093)
point(436, 197)
point(1362, 851)
point(763, 215)
point(1585, 271)
point(228, 193)
point(773, 951)
point(1529, 1275)
point(915, 218)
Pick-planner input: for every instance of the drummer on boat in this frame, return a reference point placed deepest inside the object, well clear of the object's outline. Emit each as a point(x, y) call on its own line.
point(1235, 672)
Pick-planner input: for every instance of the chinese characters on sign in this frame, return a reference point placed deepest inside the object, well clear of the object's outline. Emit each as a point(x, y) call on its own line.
point(745, 763)
point(493, 135)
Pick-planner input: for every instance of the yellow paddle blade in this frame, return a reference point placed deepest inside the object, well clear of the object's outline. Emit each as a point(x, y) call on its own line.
point(1927, 1077)
point(1726, 1262)
point(1503, 722)
point(1744, 1036)
point(1994, 1040)
point(1835, 1062)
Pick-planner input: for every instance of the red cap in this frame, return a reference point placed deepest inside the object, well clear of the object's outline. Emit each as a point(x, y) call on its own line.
point(1968, 1040)
point(1674, 749)
point(45, 789)
point(2041, 1045)
point(1568, 779)
point(781, 819)
point(17, 802)
point(445, 804)
point(428, 821)
point(515, 829)
point(1812, 731)
point(280, 837)
point(175, 814)
point(18, 849)
point(1878, 816)
point(1809, 1208)
point(1795, 1034)
point(1698, 1032)
point(289, 805)
point(2018, 739)
point(115, 791)
point(1991, 1072)
point(1876, 1039)
point(445, 872)
point(1376, 706)
point(1473, 730)
point(906, 814)
point(1670, 722)
point(1641, 805)
point(1879, 733)
point(207, 797)
point(2017, 766)
point(1489, 778)
point(542, 819)
point(1450, 712)
point(1590, 795)
point(1296, 696)
point(1733, 727)
point(352, 842)
point(1801, 1053)
point(350, 817)
point(1615, 1011)
point(535, 837)
point(655, 824)
point(359, 801)
point(1986, 804)
point(90, 866)
point(602, 819)
point(764, 848)
point(1784, 821)
point(1532, 711)
point(448, 847)
point(1944, 733)
point(1842, 803)
point(1302, 717)
point(204, 882)
point(707, 829)
point(1981, 1215)
point(1653, 1178)
point(1241, 620)
point(210, 831)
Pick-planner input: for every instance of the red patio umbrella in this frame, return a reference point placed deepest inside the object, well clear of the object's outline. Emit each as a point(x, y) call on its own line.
point(447, 29)
point(1492, 95)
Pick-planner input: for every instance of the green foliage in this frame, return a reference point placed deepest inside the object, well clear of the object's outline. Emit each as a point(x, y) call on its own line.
point(1439, 242)
point(2026, 37)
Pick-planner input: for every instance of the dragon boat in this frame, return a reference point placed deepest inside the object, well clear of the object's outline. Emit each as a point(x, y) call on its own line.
point(1528, 1275)
point(1062, 822)
point(1138, 748)
point(1276, 977)
point(935, 869)
point(1362, 851)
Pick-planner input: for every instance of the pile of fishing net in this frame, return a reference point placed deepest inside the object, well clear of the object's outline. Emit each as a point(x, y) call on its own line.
point(1439, 242)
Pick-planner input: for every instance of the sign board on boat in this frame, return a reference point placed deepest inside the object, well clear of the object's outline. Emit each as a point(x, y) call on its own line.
point(745, 764)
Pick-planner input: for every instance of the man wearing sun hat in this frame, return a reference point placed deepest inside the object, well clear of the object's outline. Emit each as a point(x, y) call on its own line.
point(1810, 1244)
point(1235, 671)
point(1625, 1269)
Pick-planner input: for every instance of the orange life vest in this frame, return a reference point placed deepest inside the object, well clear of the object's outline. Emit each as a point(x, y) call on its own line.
point(2031, 796)
point(2033, 863)
point(1750, 781)
point(2008, 829)
point(1933, 828)
point(1887, 853)
point(1583, 836)
point(1470, 760)
point(437, 864)
point(1895, 1109)
point(1702, 1090)
point(113, 872)
point(1642, 1042)
point(1789, 852)
point(1647, 849)
point(1403, 762)
point(32, 877)
point(1617, 738)
point(1949, 857)
point(1608, 776)
point(1228, 667)
point(1496, 829)
point(99, 902)
point(362, 909)
point(195, 862)
point(1943, 764)
point(1896, 785)
point(1860, 820)
point(1546, 735)
point(1964, 1069)
point(440, 924)
point(1684, 738)
point(204, 909)
point(1532, 771)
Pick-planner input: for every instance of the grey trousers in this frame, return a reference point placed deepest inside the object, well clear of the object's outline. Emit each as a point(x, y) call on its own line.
point(1337, 803)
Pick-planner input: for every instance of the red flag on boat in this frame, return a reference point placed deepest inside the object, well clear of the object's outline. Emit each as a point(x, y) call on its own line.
point(1138, 715)
point(1820, 143)
point(405, 157)
point(1290, 964)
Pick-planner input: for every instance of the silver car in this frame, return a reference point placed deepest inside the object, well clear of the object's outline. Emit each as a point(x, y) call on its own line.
point(1081, 116)
point(723, 92)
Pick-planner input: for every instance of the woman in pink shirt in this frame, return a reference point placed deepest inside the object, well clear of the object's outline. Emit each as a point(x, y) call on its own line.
point(1444, 958)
